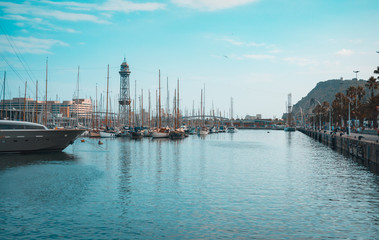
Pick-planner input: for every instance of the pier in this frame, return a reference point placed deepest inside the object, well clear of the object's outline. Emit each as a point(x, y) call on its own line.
point(363, 147)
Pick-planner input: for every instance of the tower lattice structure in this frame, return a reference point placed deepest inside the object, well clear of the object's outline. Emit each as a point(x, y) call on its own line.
point(124, 101)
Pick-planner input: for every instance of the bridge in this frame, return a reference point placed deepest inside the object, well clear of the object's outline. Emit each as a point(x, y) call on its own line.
point(205, 116)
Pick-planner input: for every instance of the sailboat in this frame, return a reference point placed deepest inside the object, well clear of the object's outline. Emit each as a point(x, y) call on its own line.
point(231, 128)
point(107, 133)
point(160, 132)
point(178, 133)
point(203, 130)
point(290, 126)
point(136, 133)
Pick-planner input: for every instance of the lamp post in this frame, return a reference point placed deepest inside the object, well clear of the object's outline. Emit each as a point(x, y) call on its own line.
point(356, 94)
point(348, 123)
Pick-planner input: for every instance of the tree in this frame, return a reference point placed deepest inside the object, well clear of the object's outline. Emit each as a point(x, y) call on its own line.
point(376, 71)
point(372, 84)
point(340, 107)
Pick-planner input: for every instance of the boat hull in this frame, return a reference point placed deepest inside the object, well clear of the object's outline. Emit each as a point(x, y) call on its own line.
point(107, 135)
point(160, 135)
point(36, 140)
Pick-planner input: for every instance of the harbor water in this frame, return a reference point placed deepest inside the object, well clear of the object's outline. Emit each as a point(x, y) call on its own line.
point(252, 184)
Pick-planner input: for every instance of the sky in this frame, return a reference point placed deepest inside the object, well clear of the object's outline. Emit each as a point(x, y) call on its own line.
point(255, 51)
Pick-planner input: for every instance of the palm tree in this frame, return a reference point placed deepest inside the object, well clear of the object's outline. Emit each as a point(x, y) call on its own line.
point(372, 84)
point(376, 71)
point(340, 107)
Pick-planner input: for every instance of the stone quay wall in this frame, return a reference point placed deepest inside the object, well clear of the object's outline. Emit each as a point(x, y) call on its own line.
point(365, 151)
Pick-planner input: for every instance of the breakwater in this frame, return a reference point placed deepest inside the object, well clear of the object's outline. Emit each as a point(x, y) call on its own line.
point(365, 150)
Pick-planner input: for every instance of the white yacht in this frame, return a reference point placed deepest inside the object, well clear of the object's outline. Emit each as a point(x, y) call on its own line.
point(231, 129)
point(18, 136)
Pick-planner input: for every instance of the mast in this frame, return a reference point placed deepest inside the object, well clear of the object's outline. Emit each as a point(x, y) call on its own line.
point(26, 84)
point(106, 113)
point(3, 109)
point(149, 110)
point(177, 106)
point(159, 110)
point(135, 102)
point(142, 108)
point(174, 109)
point(96, 108)
point(36, 108)
point(168, 105)
point(201, 107)
point(77, 100)
point(45, 118)
point(204, 105)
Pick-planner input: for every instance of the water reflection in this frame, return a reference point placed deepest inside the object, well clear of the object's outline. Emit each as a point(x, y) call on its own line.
point(245, 185)
point(15, 159)
point(124, 175)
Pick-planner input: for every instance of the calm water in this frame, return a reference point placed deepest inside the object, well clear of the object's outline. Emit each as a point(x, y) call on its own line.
point(251, 184)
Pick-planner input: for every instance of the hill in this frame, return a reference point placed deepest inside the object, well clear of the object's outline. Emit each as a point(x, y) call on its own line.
point(326, 91)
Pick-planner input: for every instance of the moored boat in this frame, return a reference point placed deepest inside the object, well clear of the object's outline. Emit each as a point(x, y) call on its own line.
point(161, 133)
point(231, 129)
point(177, 134)
point(18, 136)
point(203, 131)
point(104, 134)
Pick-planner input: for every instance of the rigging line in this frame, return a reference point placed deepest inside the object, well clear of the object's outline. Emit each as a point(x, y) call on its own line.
point(17, 73)
point(17, 52)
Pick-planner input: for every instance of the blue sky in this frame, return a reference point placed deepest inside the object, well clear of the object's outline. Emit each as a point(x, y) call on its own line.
point(256, 51)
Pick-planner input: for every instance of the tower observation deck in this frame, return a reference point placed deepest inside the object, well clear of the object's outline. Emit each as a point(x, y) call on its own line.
point(124, 101)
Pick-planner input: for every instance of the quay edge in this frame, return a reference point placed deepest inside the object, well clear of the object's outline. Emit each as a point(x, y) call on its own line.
point(365, 151)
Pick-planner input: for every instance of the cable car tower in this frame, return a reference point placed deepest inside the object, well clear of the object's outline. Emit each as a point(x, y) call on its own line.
point(124, 92)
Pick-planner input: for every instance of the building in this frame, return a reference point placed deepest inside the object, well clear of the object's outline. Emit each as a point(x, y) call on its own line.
point(28, 109)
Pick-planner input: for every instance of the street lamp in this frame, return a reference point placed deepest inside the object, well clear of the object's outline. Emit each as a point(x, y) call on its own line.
point(356, 94)
point(348, 124)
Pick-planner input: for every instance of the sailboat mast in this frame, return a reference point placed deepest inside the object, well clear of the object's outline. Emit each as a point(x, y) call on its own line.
point(168, 105)
point(77, 100)
point(26, 85)
point(204, 106)
point(201, 107)
point(36, 106)
point(149, 110)
point(3, 109)
point(96, 108)
point(141, 107)
point(177, 106)
point(106, 113)
point(45, 118)
point(159, 110)
point(174, 108)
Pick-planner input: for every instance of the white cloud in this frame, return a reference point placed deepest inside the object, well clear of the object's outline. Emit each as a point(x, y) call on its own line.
point(211, 5)
point(37, 23)
point(258, 56)
point(301, 61)
point(27, 9)
point(344, 52)
point(110, 5)
point(127, 6)
point(28, 44)
point(240, 43)
point(233, 42)
point(251, 56)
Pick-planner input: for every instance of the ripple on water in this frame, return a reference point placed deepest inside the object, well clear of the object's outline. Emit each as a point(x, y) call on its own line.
point(247, 185)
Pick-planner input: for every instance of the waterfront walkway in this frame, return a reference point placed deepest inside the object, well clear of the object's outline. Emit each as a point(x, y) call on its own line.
point(364, 136)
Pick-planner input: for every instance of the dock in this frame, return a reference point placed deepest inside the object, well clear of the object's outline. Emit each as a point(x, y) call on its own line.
point(363, 147)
